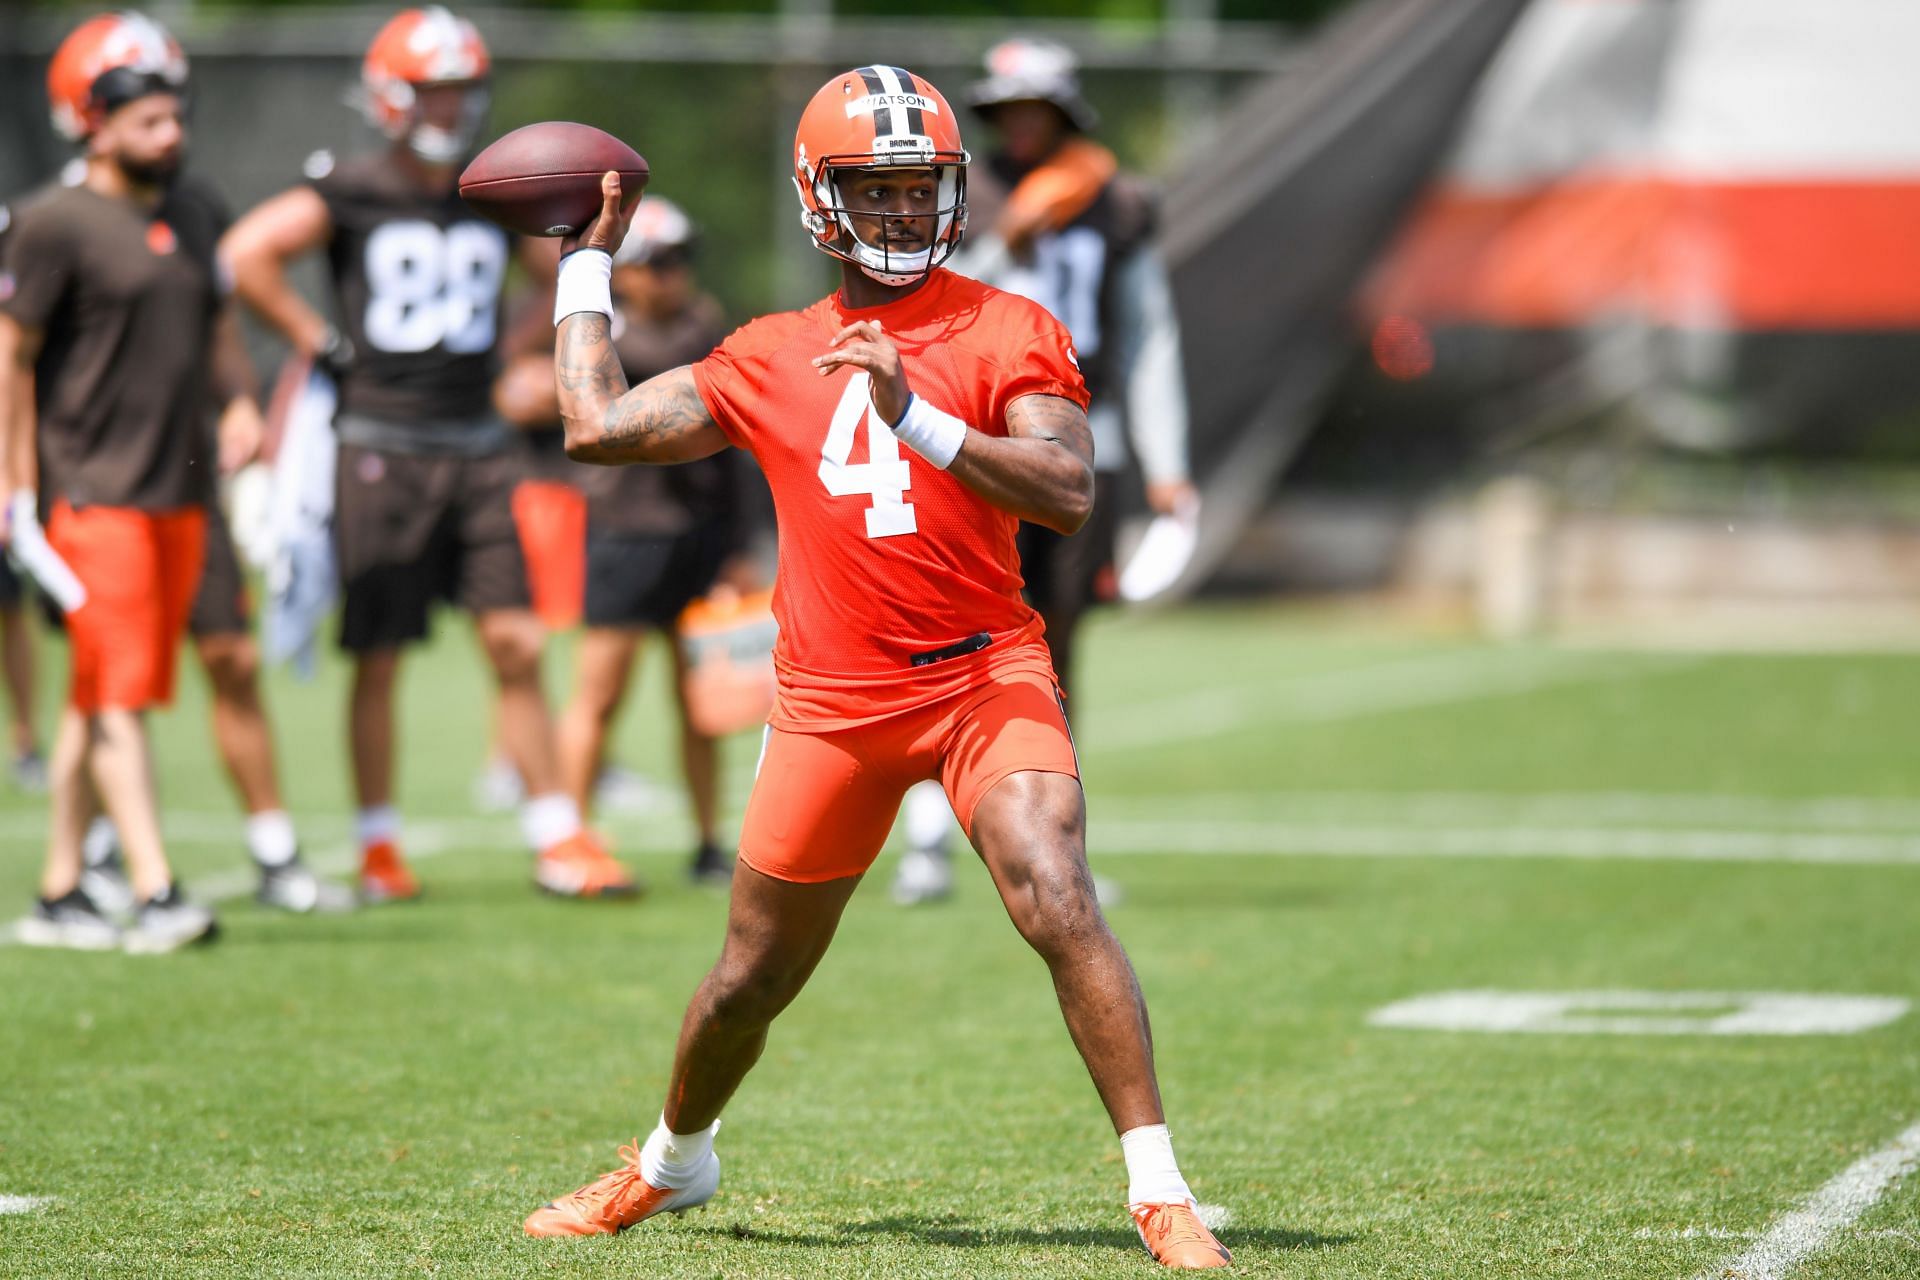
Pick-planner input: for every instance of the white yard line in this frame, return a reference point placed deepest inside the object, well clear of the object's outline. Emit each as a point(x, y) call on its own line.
point(1345, 694)
point(1806, 1230)
point(1340, 840)
point(23, 1204)
point(1217, 1217)
point(1524, 808)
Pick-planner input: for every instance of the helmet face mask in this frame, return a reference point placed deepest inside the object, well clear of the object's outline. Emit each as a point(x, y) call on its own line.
point(442, 134)
point(879, 253)
point(880, 120)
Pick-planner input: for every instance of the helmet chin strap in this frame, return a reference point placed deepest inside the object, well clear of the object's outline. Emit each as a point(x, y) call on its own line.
point(435, 144)
point(895, 281)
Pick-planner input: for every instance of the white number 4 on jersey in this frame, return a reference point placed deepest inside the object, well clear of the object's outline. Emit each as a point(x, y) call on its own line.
point(883, 477)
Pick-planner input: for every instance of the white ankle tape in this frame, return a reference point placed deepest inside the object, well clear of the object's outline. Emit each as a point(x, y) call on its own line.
point(585, 283)
point(934, 435)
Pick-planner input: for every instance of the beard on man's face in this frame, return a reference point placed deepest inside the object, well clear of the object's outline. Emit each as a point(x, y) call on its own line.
point(157, 171)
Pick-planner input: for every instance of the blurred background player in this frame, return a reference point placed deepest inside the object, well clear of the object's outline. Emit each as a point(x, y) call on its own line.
point(657, 538)
point(1054, 219)
point(108, 336)
point(425, 472)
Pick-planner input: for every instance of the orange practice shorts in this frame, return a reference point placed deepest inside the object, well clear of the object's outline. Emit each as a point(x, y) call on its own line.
point(823, 803)
point(141, 570)
point(552, 519)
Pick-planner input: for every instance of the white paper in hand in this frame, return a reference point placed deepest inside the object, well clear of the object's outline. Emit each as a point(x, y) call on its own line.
point(37, 558)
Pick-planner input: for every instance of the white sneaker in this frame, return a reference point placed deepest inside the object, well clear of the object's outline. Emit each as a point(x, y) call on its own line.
point(295, 888)
point(72, 922)
point(497, 788)
point(105, 883)
point(167, 922)
point(925, 875)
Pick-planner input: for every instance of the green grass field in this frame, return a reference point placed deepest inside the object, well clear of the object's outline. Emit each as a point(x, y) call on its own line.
point(1311, 820)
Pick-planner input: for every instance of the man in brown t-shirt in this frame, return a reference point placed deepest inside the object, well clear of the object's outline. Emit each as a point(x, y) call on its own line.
point(111, 310)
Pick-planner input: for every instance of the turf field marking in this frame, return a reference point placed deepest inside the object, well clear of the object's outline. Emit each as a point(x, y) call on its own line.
point(1538, 808)
point(23, 1204)
point(1694, 1233)
point(1340, 840)
point(1399, 685)
point(1832, 1208)
point(1646, 1013)
point(1217, 1217)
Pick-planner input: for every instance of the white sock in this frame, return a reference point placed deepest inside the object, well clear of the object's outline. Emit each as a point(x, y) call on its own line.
point(270, 838)
point(547, 820)
point(670, 1159)
point(376, 823)
point(101, 841)
point(929, 817)
point(1153, 1177)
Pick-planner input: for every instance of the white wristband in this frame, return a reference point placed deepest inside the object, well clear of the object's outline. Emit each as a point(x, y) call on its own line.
point(934, 435)
point(585, 283)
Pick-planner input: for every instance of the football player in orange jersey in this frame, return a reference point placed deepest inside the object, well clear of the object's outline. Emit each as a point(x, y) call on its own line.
point(905, 650)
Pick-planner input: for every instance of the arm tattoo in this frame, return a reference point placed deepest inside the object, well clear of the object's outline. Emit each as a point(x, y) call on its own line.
point(1052, 418)
point(585, 363)
point(654, 422)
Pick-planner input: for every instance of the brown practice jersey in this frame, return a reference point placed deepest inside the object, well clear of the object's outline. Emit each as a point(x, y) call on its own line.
point(417, 281)
point(665, 500)
point(126, 299)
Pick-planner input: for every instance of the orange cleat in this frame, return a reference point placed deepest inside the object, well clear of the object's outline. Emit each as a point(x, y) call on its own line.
point(620, 1199)
point(581, 867)
point(1175, 1236)
point(384, 876)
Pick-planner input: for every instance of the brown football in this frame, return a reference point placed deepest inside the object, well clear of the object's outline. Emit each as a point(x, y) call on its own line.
point(544, 179)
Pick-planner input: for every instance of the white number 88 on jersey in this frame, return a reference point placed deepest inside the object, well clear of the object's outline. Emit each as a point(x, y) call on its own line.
point(433, 287)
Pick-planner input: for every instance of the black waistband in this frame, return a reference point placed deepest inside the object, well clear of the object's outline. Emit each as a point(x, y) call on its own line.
point(959, 648)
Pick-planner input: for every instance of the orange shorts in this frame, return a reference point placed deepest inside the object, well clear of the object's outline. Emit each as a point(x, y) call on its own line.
point(552, 519)
point(141, 570)
point(823, 803)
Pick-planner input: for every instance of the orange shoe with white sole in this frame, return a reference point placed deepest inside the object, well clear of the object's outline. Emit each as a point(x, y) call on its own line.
point(384, 876)
point(1175, 1236)
point(620, 1199)
point(581, 867)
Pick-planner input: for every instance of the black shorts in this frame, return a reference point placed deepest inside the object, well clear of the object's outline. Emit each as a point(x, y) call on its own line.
point(220, 606)
point(11, 590)
point(1062, 572)
point(410, 529)
point(645, 580)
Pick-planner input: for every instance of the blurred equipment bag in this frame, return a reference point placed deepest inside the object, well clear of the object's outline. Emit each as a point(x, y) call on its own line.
point(727, 640)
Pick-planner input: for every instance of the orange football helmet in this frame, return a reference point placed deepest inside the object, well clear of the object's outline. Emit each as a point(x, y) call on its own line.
point(421, 47)
point(107, 62)
point(879, 118)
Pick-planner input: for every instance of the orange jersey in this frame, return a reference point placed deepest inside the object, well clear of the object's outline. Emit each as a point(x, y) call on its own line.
point(884, 556)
